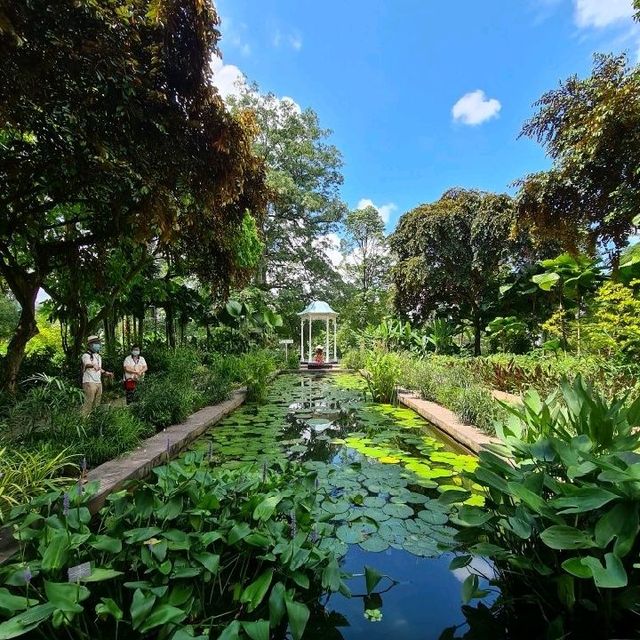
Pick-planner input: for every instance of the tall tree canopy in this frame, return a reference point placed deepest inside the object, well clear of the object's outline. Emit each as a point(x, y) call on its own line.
point(451, 256)
point(114, 146)
point(591, 129)
point(366, 267)
point(304, 177)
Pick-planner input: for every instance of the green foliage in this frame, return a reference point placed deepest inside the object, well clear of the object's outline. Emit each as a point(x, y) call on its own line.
point(25, 474)
point(452, 256)
point(561, 517)
point(248, 245)
point(612, 327)
point(9, 315)
point(475, 405)
point(590, 128)
point(163, 557)
point(382, 372)
point(254, 370)
point(163, 400)
point(353, 359)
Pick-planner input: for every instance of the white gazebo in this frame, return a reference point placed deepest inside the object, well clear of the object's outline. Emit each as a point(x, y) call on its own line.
point(319, 310)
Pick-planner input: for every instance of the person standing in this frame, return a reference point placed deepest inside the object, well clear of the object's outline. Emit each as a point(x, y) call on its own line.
point(135, 366)
point(92, 375)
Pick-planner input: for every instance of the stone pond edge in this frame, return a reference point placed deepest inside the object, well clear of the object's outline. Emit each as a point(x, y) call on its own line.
point(114, 474)
point(470, 437)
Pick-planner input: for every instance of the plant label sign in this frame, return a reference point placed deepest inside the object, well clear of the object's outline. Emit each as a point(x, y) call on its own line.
point(75, 574)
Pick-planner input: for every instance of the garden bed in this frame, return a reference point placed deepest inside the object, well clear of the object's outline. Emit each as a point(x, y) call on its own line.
point(114, 474)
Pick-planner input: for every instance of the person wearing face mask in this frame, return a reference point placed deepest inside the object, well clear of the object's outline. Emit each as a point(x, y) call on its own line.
point(92, 375)
point(135, 366)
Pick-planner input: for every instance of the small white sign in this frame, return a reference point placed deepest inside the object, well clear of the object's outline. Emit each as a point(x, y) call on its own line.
point(75, 574)
point(285, 341)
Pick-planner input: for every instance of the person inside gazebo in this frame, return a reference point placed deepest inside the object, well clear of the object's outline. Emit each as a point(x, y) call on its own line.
point(318, 357)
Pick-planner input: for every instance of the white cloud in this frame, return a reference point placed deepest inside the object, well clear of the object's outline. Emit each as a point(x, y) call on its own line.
point(385, 210)
point(475, 108)
point(602, 13)
point(295, 40)
point(235, 35)
point(227, 77)
point(292, 39)
point(330, 245)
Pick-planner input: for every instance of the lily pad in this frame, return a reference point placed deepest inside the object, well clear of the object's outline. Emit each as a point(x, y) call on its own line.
point(398, 510)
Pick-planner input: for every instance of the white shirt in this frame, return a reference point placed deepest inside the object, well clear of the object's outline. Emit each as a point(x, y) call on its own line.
point(93, 373)
point(140, 366)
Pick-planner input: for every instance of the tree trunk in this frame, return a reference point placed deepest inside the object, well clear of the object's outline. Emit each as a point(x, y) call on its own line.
point(477, 333)
point(26, 329)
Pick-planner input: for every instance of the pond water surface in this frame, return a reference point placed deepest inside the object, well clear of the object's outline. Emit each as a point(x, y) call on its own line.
point(386, 469)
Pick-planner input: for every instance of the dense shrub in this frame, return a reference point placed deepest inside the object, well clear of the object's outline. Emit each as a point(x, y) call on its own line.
point(382, 372)
point(254, 370)
point(353, 359)
point(163, 400)
point(561, 515)
point(451, 382)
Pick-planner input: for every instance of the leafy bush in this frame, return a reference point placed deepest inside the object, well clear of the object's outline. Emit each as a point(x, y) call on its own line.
point(475, 405)
point(353, 359)
point(162, 400)
point(185, 544)
point(26, 474)
point(110, 432)
point(382, 373)
point(255, 370)
point(561, 517)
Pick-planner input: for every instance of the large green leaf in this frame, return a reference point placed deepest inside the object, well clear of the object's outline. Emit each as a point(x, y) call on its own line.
point(565, 537)
point(265, 509)
point(372, 577)
point(298, 614)
point(26, 621)
point(620, 522)
point(161, 615)
point(141, 605)
point(257, 590)
point(258, 630)
point(57, 551)
point(584, 499)
point(276, 604)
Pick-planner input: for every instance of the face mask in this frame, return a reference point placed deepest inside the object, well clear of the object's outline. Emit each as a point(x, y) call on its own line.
point(135, 352)
point(95, 347)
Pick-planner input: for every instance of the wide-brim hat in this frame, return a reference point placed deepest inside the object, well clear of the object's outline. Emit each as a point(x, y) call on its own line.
point(319, 348)
point(91, 339)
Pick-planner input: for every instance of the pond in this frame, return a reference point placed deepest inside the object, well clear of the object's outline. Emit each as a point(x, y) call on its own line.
point(385, 468)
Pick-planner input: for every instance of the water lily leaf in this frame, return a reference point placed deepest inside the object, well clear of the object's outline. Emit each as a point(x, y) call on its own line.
point(433, 517)
point(374, 544)
point(398, 510)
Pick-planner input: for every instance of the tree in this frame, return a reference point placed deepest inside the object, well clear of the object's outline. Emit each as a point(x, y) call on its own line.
point(571, 278)
point(304, 178)
point(110, 129)
point(366, 264)
point(591, 129)
point(452, 256)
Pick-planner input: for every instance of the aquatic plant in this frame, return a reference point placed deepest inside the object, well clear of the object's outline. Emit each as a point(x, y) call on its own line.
point(562, 514)
point(200, 550)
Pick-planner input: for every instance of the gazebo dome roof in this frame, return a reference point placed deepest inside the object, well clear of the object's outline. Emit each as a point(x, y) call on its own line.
point(318, 307)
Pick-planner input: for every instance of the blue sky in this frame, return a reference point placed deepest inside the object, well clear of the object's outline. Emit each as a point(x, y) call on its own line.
point(386, 75)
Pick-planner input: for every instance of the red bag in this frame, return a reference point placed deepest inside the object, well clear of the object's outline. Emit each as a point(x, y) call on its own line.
point(130, 384)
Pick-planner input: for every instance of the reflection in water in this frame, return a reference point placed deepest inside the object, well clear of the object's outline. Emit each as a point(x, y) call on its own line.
point(312, 419)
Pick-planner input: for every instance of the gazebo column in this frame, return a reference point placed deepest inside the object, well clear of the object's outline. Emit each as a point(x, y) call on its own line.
point(335, 339)
point(326, 342)
point(310, 323)
point(301, 339)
